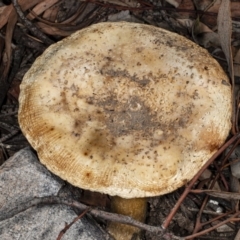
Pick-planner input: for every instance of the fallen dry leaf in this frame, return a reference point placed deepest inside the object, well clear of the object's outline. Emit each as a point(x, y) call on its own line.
point(225, 31)
point(41, 7)
point(8, 40)
point(234, 8)
point(51, 30)
point(4, 14)
point(27, 4)
point(51, 13)
point(205, 4)
point(224, 23)
point(204, 36)
point(5, 11)
point(125, 3)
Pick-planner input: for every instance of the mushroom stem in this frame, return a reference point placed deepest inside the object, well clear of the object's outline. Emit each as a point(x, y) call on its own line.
point(135, 208)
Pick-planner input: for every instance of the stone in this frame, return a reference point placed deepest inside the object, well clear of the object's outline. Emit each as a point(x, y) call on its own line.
point(23, 178)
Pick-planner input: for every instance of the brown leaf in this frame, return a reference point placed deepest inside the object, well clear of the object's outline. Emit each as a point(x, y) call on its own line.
point(8, 40)
point(51, 13)
point(225, 31)
point(203, 35)
point(5, 12)
point(126, 3)
point(41, 7)
point(26, 4)
point(53, 30)
point(235, 8)
point(204, 4)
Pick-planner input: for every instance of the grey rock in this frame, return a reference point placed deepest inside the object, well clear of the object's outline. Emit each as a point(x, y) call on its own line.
point(40, 223)
point(23, 178)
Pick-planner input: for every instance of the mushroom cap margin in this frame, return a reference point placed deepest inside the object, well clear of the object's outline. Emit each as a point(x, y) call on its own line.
point(125, 109)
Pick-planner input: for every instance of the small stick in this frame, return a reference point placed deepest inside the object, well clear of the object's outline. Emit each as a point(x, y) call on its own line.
point(95, 212)
point(30, 26)
point(192, 182)
point(11, 134)
point(70, 224)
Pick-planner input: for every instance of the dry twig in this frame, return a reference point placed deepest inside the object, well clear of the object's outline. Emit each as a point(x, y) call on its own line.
point(96, 213)
point(70, 224)
point(192, 182)
point(31, 27)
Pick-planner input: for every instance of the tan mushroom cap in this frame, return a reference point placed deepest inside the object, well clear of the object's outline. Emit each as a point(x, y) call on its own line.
point(125, 109)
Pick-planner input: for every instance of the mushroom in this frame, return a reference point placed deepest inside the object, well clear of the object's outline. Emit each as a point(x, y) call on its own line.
point(125, 109)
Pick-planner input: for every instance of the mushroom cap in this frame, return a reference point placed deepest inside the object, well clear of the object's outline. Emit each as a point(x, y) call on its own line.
point(125, 109)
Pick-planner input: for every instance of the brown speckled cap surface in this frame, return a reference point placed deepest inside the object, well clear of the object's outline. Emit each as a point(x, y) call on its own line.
point(125, 109)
